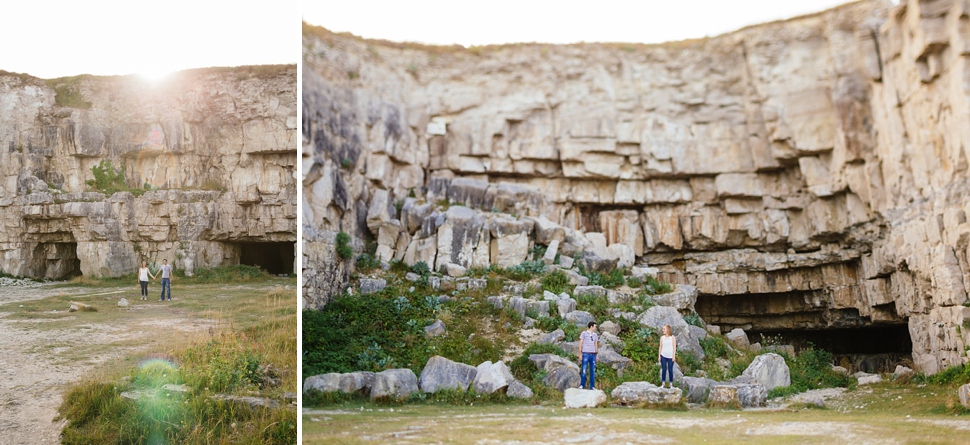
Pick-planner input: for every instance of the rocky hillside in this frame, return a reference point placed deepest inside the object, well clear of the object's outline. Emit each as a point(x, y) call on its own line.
point(804, 175)
point(202, 169)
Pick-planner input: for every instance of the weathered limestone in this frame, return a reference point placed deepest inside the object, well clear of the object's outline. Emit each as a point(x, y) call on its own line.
point(349, 383)
point(769, 370)
point(210, 160)
point(638, 394)
point(441, 373)
point(491, 377)
point(742, 395)
point(812, 192)
point(394, 383)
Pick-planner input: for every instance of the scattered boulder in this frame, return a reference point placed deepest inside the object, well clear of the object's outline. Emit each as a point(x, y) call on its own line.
point(496, 302)
point(584, 398)
point(411, 276)
point(754, 347)
point(565, 306)
point(611, 358)
point(739, 395)
point(616, 298)
point(579, 318)
point(435, 329)
point(639, 394)
point(548, 231)
point(123, 303)
point(868, 379)
point(552, 337)
point(549, 296)
point(477, 283)
point(551, 252)
point(697, 332)
point(394, 383)
point(454, 270)
point(610, 327)
point(518, 390)
point(769, 370)
point(840, 370)
point(348, 383)
point(657, 316)
point(560, 373)
point(589, 291)
point(371, 285)
point(608, 340)
point(714, 329)
point(781, 349)
point(600, 260)
point(641, 273)
point(625, 256)
point(491, 377)
point(738, 338)
point(682, 298)
point(697, 388)
point(566, 262)
point(441, 373)
point(902, 371)
point(964, 394)
point(574, 277)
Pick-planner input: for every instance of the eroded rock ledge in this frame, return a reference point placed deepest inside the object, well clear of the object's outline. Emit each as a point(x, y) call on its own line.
point(804, 174)
point(215, 147)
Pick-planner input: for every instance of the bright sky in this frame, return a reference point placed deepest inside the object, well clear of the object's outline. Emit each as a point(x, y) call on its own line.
point(54, 38)
point(446, 22)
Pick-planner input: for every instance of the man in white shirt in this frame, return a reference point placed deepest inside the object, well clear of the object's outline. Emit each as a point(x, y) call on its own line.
point(588, 347)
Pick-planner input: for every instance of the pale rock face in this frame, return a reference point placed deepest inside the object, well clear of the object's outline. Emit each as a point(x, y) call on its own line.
point(441, 373)
point(394, 384)
point(636, 394)
point(785, 163)
point(491, 377)
point(769, 370)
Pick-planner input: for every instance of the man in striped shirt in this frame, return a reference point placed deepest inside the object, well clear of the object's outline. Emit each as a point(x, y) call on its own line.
point(588, 347)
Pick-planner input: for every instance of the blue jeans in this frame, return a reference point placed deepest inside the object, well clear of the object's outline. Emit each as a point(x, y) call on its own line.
point(588, 363)
point(666, 370)
point(166, 285)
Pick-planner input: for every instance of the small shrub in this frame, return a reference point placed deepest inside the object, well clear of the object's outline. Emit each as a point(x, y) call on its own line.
point(366, 263)
point(656, 287)
point(693, 319)
point(421, 268)
point(556, 282)
point(398, 267)
point(106, 178)
point(343, 246)
point(634, 282)
point(347, 164)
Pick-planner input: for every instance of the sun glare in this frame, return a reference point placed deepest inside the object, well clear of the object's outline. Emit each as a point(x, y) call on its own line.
point(155, 74)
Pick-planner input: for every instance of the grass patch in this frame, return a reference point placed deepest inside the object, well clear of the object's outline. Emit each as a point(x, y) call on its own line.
point(810, 369)
point(557, 282)
point(67, 92)
point(344, 250)
point(251, 358)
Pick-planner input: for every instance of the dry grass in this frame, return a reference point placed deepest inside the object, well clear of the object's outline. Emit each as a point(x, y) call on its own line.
point(889, 414)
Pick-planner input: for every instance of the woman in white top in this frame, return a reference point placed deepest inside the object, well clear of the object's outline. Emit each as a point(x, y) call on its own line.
point(668, 353)
point(143, 274)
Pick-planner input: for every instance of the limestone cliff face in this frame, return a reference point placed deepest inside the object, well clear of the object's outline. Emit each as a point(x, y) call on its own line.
point(805, 174)
point(214, 147)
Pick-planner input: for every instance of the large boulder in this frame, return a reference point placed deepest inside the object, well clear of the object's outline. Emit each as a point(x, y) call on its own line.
point(682, 298)
point(638, 394)
point(579, 318)
point(441, 373)
point(491, 377)
point(658, 316)
point(738, 338)
point(371, 285)
point(548, 231)
point(560, 373)
point(565, 306)
point(435, 329)
point(697, 388)
point(394, 384)
point(964, 393)
point(518, 390)
point(589, 291)
point(352, 382)
point(611, 358)
point(742, 395)
point(610, 327)
point(552, 337)
point(600, 260)
point(770, 370)
point(584, 398)
point(462, 239)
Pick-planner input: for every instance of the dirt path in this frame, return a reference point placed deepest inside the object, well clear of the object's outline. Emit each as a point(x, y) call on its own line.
point(39, 359)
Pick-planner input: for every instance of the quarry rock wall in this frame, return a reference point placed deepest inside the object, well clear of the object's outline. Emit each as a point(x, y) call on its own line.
point(803, 174)
point(208, 159)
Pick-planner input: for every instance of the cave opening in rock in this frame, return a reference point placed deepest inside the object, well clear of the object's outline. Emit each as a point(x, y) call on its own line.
point(273, 257)
point(58, 261)
point(876, 348)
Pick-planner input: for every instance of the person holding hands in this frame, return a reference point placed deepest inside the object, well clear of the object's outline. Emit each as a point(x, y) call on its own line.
point(667, 356)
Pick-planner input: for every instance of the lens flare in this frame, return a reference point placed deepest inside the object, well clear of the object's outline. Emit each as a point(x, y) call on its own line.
point(160, 404)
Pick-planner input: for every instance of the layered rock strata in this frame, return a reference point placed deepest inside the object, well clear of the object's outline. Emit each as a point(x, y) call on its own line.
point(804, 174)
point(208, 158)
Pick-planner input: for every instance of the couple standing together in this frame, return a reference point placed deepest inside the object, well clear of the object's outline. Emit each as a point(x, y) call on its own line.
point(589, 347)
point(166, 273)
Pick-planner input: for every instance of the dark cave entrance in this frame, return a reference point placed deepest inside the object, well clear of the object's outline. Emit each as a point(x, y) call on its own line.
point(59, 261)
point(876, 348)
point(273, 257)
point(803, 319)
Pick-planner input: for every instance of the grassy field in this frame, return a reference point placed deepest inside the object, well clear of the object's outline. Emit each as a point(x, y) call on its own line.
point(231, 339)
point(883, 414)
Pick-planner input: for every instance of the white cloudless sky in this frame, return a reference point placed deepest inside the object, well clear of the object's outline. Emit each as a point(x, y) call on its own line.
point(445, 22)
point(54, 38)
